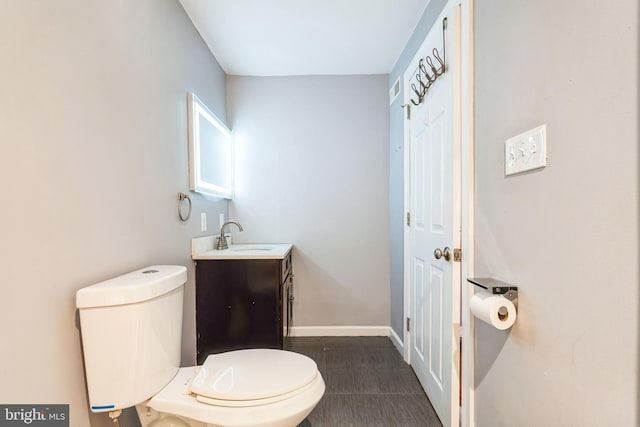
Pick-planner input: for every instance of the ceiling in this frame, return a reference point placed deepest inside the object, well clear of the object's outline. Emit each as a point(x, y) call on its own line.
point(302, 37)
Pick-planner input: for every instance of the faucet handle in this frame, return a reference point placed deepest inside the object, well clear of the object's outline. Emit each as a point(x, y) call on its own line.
point(222, 242)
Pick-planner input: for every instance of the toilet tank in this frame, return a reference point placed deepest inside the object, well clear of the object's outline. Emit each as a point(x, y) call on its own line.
point(131, 329)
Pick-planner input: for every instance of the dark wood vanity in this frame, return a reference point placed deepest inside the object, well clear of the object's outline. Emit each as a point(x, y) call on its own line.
point(242, 303)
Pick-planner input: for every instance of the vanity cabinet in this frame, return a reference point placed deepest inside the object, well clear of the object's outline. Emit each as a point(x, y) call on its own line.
point(242, 303)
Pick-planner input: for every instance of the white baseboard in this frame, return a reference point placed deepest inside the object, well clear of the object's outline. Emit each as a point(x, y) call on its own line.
point(340, 331)
point(396, 340)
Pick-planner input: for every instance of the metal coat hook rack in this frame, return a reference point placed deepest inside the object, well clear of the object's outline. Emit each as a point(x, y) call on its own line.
point(429, 70)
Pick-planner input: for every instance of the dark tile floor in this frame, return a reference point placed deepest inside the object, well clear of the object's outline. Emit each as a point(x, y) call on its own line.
point(367, 384)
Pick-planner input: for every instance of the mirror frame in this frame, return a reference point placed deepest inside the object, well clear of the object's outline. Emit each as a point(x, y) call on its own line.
point(198, 112)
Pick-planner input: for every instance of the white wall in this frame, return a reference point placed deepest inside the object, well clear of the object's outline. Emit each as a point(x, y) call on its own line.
point(313, 171)
point(567, 235)
point(93, 142)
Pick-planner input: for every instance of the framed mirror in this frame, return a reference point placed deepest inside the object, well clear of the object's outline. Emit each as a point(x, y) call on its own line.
point(210, 151)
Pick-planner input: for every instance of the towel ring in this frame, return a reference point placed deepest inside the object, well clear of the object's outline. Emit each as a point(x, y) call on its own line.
point(181, 198)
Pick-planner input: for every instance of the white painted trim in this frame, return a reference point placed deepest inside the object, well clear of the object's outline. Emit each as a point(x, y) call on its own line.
point(467, 418)
point(395, 339)
point(340, 331)
point(406, 77)
point(457, 280)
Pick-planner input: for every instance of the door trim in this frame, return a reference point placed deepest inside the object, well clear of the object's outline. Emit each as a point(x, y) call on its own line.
point(467, 127)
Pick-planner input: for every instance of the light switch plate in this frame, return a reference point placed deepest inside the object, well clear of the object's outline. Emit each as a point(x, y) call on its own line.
point(526, 151)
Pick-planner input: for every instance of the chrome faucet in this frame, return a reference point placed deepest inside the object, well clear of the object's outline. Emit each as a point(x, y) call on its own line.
point(222, 240)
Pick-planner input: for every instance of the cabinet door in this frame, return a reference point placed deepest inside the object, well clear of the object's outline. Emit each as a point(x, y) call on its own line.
point(263, 303)
point(237, 305)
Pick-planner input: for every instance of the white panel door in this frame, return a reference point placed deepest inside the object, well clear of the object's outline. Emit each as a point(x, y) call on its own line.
point(435, 225)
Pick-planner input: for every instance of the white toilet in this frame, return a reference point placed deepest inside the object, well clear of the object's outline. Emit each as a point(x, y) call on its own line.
point(131, 338)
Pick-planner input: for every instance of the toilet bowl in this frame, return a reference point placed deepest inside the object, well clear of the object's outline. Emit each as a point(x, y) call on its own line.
point(142, 312)
point(258, 387)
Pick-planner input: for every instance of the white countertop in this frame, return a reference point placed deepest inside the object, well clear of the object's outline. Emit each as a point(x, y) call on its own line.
point(202, 249)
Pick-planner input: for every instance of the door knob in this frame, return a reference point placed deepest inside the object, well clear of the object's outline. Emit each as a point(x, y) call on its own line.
point(442, 253)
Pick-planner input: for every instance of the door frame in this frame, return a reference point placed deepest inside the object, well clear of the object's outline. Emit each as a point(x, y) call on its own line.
point(465, 122)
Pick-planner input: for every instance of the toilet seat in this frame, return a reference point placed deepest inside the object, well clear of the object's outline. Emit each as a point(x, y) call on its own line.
point(245, 403)
point(252, 377)
point(287, 408)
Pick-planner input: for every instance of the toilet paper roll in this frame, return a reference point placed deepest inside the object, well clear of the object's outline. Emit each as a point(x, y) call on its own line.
point(495, 310)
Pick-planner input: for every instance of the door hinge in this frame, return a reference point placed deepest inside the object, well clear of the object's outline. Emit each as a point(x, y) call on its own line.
point(408, 219)
point(457, 254)
point(408, 110)
point(408, 324)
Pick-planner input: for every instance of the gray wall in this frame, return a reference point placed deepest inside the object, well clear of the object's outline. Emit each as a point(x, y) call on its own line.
point(396, 166)
point(93, 140)
point(312, 171)
point(567, 234)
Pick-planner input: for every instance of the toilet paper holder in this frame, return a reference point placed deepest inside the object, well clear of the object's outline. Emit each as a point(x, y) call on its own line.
point(497, 287)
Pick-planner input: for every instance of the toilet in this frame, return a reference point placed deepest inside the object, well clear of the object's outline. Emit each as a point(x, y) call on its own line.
point(131, 329)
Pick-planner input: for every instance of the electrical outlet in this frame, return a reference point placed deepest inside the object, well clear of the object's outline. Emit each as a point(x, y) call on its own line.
point(203, 221)
point(526, 151)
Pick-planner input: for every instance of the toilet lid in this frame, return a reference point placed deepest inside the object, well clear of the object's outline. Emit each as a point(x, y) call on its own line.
point(228, 379)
